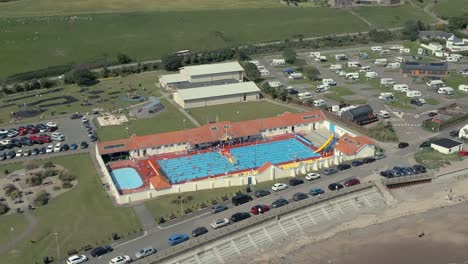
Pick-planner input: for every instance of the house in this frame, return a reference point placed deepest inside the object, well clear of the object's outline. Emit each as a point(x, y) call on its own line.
point(203, 75)
point(455, 44)
point(437, 34)
point(217, 94)
point(447, 146)
point(360, 115)
point(463, 134)
point(424, 68)
point(433, 47)
point(354, 147)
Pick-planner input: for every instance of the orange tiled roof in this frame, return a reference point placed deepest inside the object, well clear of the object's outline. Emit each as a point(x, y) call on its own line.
point(349, 145)
point(210, 132)
point(158, 182)
point(264, 167)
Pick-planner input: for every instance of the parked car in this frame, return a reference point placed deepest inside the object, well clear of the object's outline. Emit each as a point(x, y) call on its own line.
point(58, 147)
point(218, 208)
point(220, 223)
point(51, 124)
point(76, 116)
point(380, 155)
point(73, 146)
point(11, 154)
point(420, 168)
point(335, 186)
point(237, 217)
point(330, 171)
point(425, 144)
point(145, 252)
point(261, 193)
point(343, 167)
point(83, 145)
point(177, 239)
point(99, 251)
point(279, 186)
point(295, 181)
point(120, 260)
point(455, 133)
point(43, 150)
point(19, 153)
point(300, 196)
point(312, 176)
point(199, 231)
point(3, 156)
point(50, 149)
point(27, 153)
point(432, 114)
point(76, 259)
point(351, 182)
point(279, 203)
point(403, 145)
point(463, 153)
point(316, 191)
point(241, 199)
point(357, 163)
point(259, 209)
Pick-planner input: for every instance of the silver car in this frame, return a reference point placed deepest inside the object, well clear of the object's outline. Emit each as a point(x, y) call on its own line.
point(144, 252)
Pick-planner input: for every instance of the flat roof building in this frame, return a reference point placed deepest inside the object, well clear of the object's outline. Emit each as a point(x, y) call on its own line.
point(447, 146)
point(424, 68)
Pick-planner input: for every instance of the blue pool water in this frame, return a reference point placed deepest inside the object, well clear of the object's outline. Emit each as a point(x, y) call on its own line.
point(213, 163)
point(126, 178)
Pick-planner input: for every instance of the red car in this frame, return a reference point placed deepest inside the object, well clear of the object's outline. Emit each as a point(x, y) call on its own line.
point(34, 130)
point(23, 132)
point(44, 138)
point(463, 153)
point(351, 182)
point(259, 209)
point(34, 138)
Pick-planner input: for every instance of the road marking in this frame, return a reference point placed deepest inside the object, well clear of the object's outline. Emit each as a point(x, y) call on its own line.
point(190, 219)
point(130, 241)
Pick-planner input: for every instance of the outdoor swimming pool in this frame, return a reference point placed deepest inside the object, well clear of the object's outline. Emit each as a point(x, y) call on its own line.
point(248, 157)
point(126, 178)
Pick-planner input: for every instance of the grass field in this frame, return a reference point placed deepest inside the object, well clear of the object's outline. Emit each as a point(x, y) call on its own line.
point(36, 42)
point(81, 216)
point(108, 95)
point(392, 16)
point(170, 119)
point(11, 226)
point(433, 159)
point(448, 8)
point(238, 111)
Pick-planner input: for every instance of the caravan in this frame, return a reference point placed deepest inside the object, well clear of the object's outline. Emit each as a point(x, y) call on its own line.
point(435, 83)
point(393, 65)
point(322, 88)
point(278, 62)
point(340, 57)
point(264, 72)
point(274, 84)
point(315, 54)
point(336, 67)
point(305, 95)
point(463, 87)
point(386, 81)
point(446, 91)
point(376, 48)
point(352, 76)
point(319, 102)
point(412, 94)
point(400, 87)
point(380, 61)
point(405, 51)
point(399, 59)
point(371, 75)
point(296, 76)
point(365, 69)
point(329, 82)
point(386, 96)
point(396, 47)
point(353, 64)
point(321, 58)
point(450, 59)
point(385, 52)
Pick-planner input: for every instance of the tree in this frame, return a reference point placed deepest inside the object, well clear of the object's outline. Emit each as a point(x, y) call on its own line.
point(289, 55)
point(41, 198)
point(80, 77)
point(252, 72)
point(457, 22)
point(4, 208)
point(410, 31)
point(282, 94)
point(311, 72)
point(172, 62)
point(380, 36)
point(241, 55)
point(123, 58)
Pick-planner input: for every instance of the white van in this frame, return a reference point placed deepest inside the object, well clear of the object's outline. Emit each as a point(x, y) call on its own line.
point(393, 65)
point(399, 59)
point(400, 87)
point(463, 87)
point(446, 90)
point(319, 102)
point(405, 51)
point(386, 81)
point(329, 82)
point(371, 75)
point(412, 94)
point(352, 76)
point(322, 88)
point(296, 76)
point(435, 83)
point(305, 95)
point(336, 67)
point(57, 136)
point(339, 57)
point(384, 114)
point(380, 61)
point(376, 48)
point(274, 84)
point(278, 62)
point(353, 64)
point(365, 69)
point(386, 96)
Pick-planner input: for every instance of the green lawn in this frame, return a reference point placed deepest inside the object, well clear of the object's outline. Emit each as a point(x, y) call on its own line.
point(238, 111)
point(10, 167)
point(11, 226)
point(433, 159)
point(170, 119)
point(84, 215)
point(392, 16)
point(431, 101)
point(449, 8)
point(37, 42)
point(337, 93)
point(107, 94)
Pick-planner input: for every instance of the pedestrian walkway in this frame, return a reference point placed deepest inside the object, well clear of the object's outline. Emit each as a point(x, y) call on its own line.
point(189, 117)
point(145, 217)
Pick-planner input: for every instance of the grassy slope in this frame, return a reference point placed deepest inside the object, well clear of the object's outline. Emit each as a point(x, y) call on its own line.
point(37, 42)
point(238, 111)
point(448, 8)
point(81, 216)
point(382, 17)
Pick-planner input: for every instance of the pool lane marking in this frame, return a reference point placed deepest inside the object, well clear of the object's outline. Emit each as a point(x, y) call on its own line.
point(190, 219)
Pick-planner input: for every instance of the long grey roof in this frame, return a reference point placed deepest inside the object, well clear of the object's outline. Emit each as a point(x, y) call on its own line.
point(429, 66)
point(446, 143)
point(434, 34)
point(217, 90)
point(213, 68)
point(361, 110)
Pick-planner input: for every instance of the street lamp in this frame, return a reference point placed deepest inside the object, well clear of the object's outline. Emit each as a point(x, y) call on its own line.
point(58, 250)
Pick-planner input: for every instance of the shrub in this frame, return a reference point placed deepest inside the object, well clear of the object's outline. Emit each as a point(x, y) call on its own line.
point(15, 195)
point(48, 164)
point(66, 176)
point(4, 208)
point(34, 180)
point(67, 185)
point(50, 173)
point(31, 165)
point(42, 198)
point(56, 188)
point(10, 188)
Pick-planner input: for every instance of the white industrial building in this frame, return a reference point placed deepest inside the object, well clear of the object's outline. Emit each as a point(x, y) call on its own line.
point(447, 146)
point(217, 94)
point(203, 75)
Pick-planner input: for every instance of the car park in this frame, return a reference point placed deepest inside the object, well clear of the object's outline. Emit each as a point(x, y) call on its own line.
point(402, 145)
point(177, 239)
point(218, 208)
point(259, 209)
point(299, 196)
point(316, 192)
point(351, 182)
point(312, 176)
point(220, 223)
point(145, 252)
point(261, 193)
point(241, 199)
point(279, 203)
point(237, 217)
point(330, 171)
point(343, 167)
point(335, 186)
point(279, 186)
point(99, 251)
point(357, 163)
point(120, 260)
point(76, 259)
point(295, 181)
point(199, 231)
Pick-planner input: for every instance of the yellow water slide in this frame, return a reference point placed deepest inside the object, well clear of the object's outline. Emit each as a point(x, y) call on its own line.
point(329, 140)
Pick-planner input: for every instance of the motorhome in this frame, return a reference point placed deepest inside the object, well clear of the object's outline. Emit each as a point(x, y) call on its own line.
point(457, 56)
point(446, 90)
point(353, 64)
point(400, 87)
point(365, 69)
point(296, 76)
point(274, 84)
point(319, 102)
point(264, 72)
point(376, 48)
point(321, 58)
point(412, 94)
point(399, 59)
point(322, 88)
point(451, 59)
point(380, 61)
point(435, 83)
point(336, 67)
point(315, 54)
point(352, 76)
point(396, 47)
point(384, 114)
point(420, 51)
point(305, 95)
point(371, 75)
point(463, 87)
point(340, 57)
point(405, 51)
point(386, 96)
point(386, 81)
point(393, 65)
point(278, 62)
point(329, 82)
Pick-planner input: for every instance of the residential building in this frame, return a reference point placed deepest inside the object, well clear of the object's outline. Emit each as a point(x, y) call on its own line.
point(354, 147)
point(360, 115)
point(424, 68)
point(436, 34)
point(447, 146)
point(463, 134)
point(455, 44)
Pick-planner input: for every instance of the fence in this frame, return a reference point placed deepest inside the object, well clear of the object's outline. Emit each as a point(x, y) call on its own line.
point(268, 216)
point(408, 179)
